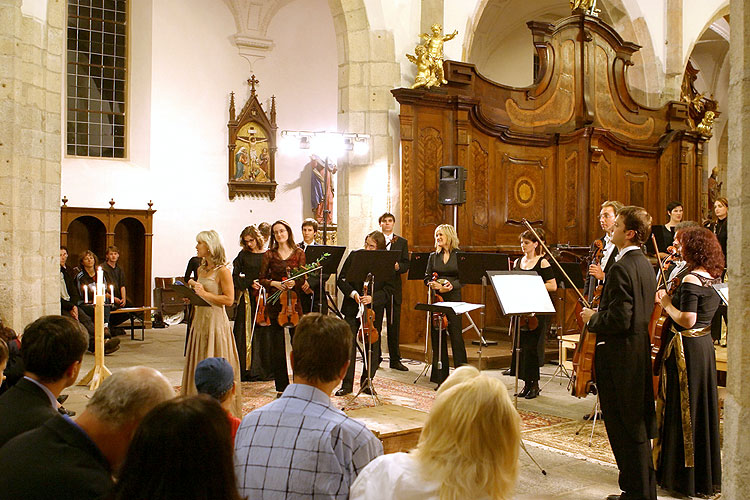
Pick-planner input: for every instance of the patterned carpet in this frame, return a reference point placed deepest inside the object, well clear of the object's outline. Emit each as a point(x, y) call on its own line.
point(548, 430)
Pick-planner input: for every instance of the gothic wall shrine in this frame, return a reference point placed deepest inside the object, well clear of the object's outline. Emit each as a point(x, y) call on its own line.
point(550, 153)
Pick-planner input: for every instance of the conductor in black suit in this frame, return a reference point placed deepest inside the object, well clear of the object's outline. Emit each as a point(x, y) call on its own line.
point(398, 243)
point(598, 272)
point(622, 360)
point(52, 349)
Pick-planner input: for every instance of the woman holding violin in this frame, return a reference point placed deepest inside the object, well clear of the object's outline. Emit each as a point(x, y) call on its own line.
point(253, 342)
point(281, 257)
point(444, 263)
point(533, 328)
point(687, 451)
point(355, 296)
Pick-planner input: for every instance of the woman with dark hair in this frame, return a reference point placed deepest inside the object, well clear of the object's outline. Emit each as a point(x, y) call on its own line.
point(719, 228)
point(665, 234)
point(687, 449)
point(253, 344)
point(182, 450)
point(14, 367)
point(533, 331)
point(281, 257)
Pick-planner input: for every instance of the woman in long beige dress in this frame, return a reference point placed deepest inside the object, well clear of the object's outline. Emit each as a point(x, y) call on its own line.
point(210, 332)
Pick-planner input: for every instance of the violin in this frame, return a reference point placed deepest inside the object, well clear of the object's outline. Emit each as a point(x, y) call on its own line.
point(439, 320)
point(291, 309)
point(369, 332)
point(595, 258)
point(660, 321)
point(261, 313)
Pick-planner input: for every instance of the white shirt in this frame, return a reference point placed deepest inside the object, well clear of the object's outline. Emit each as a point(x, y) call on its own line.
point(396, 476)
point(388, 240)
point(626, 250)
point(609, 247)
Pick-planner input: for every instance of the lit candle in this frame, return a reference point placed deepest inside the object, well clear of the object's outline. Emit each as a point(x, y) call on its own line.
point(85, 294)
point(99, 281)
point(112, 294)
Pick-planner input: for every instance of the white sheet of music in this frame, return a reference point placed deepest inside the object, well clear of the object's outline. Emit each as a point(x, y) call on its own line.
point(459, 307)
point(522, 294)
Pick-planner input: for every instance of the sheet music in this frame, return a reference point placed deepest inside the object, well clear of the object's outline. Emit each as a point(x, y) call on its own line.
point(459, 307)
point(522, 293)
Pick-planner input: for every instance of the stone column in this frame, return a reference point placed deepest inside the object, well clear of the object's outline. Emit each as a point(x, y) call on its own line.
point(675, 69)
point(432, 11)
point(736, 478)
point(31, 62)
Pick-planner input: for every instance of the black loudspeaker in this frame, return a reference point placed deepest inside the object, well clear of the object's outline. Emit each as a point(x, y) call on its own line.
point(452, 185)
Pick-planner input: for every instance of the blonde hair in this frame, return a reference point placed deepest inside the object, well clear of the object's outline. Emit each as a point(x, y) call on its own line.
point(215, 249)
point(471, 438)
point(451, 238)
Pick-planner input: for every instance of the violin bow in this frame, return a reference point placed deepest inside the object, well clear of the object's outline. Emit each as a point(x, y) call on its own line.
point(547, 251)
point(661, 264)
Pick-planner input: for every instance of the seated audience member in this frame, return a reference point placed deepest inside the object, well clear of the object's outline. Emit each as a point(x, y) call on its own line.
point(69, 298)
point(14, 364)
point(215, 377)
point(4, 355)
point(115, 278)
point(182, 449)
point(52, 351)
point(67, 459)
point(468, 447)
point(86, 285)
point(301, 446)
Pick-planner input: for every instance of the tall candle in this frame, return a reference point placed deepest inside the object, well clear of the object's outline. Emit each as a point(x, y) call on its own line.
point(111, 294)
point(85, 294)
point(99, 281)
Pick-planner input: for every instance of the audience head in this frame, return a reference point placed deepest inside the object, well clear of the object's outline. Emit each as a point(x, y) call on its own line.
point(608, 214)
point(181, 450)
point(375, 241)
point(471, 437)
point(529, 238)
point(209, 247)
point(446, 238)
point(700, 248)
point(251, 239)
point(112, 253)
point(281, 234)
point(53, 348)
point(215, 377)
point(633, 224)
point(63, 255)
point(88, 259)
point(721, 207)
point(4, 355)
point(321, 348)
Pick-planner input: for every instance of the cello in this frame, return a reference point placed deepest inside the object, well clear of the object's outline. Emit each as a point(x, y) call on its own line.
point(660, 321)
point(582, 381)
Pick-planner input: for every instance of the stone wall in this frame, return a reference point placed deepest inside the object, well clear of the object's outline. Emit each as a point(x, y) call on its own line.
point(31, 63)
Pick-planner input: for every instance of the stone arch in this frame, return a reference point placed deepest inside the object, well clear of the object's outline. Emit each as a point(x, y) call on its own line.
point(645, 81)
point(367, 72)
point(719, 12)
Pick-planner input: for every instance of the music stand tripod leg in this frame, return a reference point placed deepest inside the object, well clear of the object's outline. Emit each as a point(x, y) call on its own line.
point(366, 360)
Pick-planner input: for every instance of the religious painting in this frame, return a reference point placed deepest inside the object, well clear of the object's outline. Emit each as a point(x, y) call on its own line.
point(252, 148)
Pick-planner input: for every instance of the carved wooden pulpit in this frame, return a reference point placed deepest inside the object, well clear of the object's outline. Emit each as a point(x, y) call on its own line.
point(551, 152)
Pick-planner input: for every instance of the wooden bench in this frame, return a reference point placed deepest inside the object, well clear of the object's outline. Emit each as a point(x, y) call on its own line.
point(135, 321)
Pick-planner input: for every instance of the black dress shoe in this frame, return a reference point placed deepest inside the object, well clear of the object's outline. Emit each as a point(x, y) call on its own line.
point(63, 411)
point(62, 398)
point(111, 345)
point(399, 366)
point(614, 497)
point(533, 392)
point(524, 391)
point(509, 372)
point(342, 392)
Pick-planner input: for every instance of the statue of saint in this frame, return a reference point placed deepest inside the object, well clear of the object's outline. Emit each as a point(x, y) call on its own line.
point(321, 198)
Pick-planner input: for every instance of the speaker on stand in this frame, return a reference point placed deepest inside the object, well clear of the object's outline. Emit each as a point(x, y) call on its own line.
point(452, 188)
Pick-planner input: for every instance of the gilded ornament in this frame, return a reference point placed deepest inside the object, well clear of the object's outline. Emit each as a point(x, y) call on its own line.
point(707, 124)
point(588, 6)
point(429, 58)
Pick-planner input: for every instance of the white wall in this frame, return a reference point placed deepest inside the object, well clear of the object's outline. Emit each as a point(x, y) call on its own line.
point(183, 67)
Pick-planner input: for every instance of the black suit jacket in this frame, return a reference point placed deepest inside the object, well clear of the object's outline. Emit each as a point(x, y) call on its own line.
point(24, 407)
point(380, 296)
point(57, 460)
point(592, 282)
point(70, 285)
point(623, 351)
point(399, 243)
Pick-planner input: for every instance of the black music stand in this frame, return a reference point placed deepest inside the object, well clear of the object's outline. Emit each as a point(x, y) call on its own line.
point(381, 264)
point(186, 292)
point(472, 267)
point(574, 272)
point(330, 266)
point(520, 293)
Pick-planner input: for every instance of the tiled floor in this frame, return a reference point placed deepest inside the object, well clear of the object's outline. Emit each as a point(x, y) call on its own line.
point(568, 477)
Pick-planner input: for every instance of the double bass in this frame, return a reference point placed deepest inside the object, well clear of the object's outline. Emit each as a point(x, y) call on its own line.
point(582, 381)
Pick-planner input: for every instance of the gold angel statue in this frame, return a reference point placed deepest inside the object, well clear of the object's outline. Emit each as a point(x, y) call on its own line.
point(589, 6)
point(425, 73)
point(429, 58)
point(707, 124)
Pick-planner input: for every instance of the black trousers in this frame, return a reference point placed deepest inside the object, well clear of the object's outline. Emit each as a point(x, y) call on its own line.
point(637, 477)
point(393, 315)
point(440, 371)
point(278, 355)
point(348, 382)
